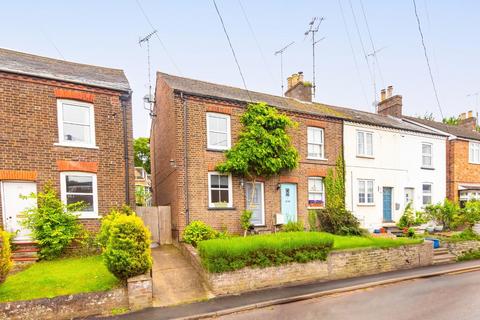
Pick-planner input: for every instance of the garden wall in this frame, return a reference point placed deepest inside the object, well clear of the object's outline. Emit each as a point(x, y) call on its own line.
point(339, 265)
point(459, 248)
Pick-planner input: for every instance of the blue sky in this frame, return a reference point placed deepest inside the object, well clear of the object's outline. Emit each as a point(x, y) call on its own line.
point(106, 33)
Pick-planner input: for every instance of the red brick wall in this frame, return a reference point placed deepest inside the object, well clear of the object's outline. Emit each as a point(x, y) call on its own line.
point(459, 170)
point(29, 130)
point(168, 146)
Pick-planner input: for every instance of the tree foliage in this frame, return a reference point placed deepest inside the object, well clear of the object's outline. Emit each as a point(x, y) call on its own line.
point(141, 148)
point(263, 148)
point(453, 121)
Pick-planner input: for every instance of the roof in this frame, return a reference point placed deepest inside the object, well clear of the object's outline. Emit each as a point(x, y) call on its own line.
point(457, 131)
point(207, 89)
point(33, 65)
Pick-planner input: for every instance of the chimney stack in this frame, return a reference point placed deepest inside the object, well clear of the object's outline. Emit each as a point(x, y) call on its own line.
point(467, 120)
point(390, 105)
point(298, 89)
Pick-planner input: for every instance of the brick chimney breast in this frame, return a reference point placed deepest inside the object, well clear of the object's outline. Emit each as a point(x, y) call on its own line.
point(298, 89)
point(467, 120)
point(390, 105)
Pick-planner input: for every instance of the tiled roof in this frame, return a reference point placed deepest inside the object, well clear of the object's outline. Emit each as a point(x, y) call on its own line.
point(457, 131)
point(29, 64)
point(213, 90)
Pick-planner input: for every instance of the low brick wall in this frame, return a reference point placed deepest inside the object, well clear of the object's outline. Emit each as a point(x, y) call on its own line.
point(140, 292)
point(65, 307)
point(461, 247)
point(339, 265)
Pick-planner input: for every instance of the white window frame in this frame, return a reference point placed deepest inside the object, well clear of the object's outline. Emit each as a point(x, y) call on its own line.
point(61, 138)
point(316, 192)
point(365, 182)
point(474, 147)
point(321, 144)
point(427, 155)
point(230, 195)
point(63, 191)
point(427, 193)
point(361, 134)
point(224, 116)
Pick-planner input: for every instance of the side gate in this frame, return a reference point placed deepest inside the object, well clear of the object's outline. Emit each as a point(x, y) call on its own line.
point(159, 221)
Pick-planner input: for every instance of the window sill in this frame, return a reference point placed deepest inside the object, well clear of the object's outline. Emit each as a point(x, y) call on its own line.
point(315, 208)
point(365, 156)
point(317, 159)
point(365, 204)
point(477, 163)
point(427, 168)
point(84, 146)
point(217, 150)
point(221, 208)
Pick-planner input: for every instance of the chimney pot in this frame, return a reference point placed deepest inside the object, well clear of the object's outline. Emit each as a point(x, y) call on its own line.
point(297, 88)
point(382, 94)
point(470, 114)
point(390, 105)
point(389, 91)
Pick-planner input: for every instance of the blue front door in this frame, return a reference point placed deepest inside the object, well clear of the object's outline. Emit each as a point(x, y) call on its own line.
point(387, 204)
point(288, 198)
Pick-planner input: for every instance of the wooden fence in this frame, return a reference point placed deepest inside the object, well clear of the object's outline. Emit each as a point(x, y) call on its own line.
point(159, 221)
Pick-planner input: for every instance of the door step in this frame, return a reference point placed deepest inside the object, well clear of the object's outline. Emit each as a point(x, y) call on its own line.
point(443, 256)
point(24, 251)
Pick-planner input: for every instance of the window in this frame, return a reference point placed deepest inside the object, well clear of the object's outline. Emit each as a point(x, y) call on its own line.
point(474, 152)
point(427, 194)
point(219, 190)
point(76, 124)
point(315, 143)
point(80, 186)
point(365, 191)
point(218, 131)
point(427, 155)
point(316, 195)
point(364, 143)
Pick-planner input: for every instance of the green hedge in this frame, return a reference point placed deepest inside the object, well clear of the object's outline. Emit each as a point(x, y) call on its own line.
point(220, 255)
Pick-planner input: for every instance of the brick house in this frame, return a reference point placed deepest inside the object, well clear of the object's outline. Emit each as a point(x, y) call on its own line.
point(197, 121)
point(65, 123)
point(463, 155)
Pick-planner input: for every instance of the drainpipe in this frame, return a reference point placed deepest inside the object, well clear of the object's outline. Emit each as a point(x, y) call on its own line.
point(124, 99)
point(185, 158)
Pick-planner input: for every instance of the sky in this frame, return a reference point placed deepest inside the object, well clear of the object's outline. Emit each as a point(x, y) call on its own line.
point(191, 43)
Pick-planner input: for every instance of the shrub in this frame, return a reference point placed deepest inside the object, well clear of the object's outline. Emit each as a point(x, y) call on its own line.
point(5, 255)
point(293, 226)
point(470, 255)
point(87, 244)
point(221, 255)
point(467, 234)
point(443, 213)
point(245, 221)
point(54, 225)
point(312, 220)
point(127, 252)
point(407, 219)
point(339, 221)
point(198, 231)
point(107, 222)
point(467, 216)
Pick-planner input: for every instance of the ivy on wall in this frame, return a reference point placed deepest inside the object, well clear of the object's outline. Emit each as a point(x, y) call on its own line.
point(335, 185)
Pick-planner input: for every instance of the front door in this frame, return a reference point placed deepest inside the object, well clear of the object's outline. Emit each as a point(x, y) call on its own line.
point(387, 204)
point(288, 198)
point(13, 206)
point(257, 205)
point(408, 195)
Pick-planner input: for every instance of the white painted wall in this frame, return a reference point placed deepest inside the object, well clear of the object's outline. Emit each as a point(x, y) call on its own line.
point(396, 163)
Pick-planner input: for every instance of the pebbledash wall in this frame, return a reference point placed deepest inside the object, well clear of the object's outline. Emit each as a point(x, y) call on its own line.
point(168, 175)
point(339, 265)
point(28, 150)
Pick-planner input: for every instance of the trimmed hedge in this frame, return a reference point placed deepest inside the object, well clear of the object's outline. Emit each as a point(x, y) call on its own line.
point(221, 255)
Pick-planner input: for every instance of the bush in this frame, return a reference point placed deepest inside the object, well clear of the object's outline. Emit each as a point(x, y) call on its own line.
point(443, 213)
point(221, 255)
point(54, 225)
point(467, 216)
point(471, 255)
point(127, 251)
point(467, 234)
point(312, 220)
point(407, 219)
point(245, 221)
point(5, 255)
point(293, 226)
point(198, 231)
point(107, 222)
point(339, 221)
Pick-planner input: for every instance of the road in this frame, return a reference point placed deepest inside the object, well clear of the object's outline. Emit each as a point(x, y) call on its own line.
point(454, 296)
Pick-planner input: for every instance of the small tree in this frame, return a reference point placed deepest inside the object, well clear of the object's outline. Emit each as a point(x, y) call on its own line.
point(468, 216)
point(141, 155)
point(245, 221)
point(264, 148)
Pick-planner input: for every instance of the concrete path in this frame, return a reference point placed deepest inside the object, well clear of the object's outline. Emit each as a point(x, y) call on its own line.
point(174, 279)
point(268, 297)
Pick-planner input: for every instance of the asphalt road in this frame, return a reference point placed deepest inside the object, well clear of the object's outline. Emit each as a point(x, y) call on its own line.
point(440, 298)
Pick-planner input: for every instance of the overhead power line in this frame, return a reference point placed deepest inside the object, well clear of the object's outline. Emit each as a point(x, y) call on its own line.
point(172, 61)
point(426, 58)
point(231, 48)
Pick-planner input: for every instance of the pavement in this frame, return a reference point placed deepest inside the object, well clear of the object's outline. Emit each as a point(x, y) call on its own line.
point(225, 305)
point(175, 281)
point(453, 296)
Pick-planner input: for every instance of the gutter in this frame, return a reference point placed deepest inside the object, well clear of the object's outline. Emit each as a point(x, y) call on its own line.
point(124, 99)
point(185, 158)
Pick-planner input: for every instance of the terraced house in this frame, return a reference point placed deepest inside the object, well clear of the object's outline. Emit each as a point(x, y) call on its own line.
point(389, 162)
point(68, 124)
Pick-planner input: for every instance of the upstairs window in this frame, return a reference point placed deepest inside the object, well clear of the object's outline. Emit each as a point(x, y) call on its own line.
point(427, 194)
point(80, 187)
point(474, 152)
point(76, 124)
point(315, 143)
point(219, 190)
point(218, 131)
point(364, 144)
point(365, 191)
point(427, 155)
point(316, 194)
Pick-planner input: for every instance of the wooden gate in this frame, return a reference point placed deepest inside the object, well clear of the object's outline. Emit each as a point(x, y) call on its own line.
point(159, 221)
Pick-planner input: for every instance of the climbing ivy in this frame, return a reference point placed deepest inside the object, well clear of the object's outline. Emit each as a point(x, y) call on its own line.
point(335, 185)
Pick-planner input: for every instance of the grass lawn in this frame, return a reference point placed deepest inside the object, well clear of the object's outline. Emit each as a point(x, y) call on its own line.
point(350, 242)
point(48, 279)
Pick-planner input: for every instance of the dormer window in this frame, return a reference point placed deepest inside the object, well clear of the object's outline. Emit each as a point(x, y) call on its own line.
point(76, 124)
